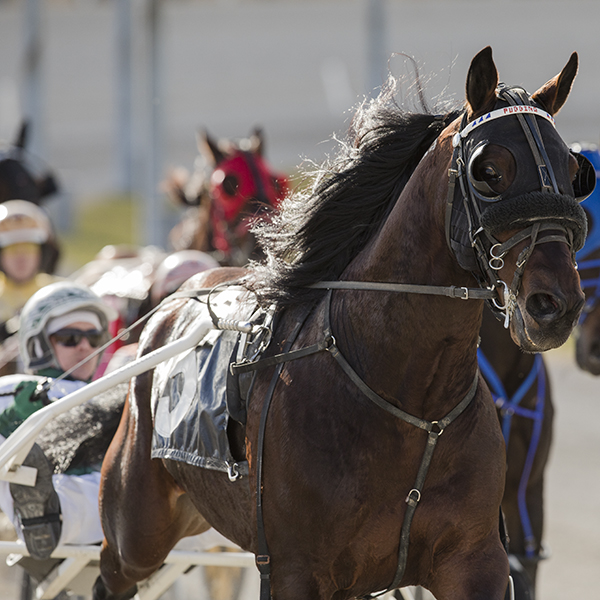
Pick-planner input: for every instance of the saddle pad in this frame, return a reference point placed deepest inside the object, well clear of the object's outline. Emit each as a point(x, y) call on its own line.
point(190, 416)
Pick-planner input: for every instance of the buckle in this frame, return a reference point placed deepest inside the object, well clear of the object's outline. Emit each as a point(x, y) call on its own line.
point(413, 500)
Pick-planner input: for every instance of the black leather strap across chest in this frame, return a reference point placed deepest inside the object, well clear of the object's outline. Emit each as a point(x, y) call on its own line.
point(433, 428)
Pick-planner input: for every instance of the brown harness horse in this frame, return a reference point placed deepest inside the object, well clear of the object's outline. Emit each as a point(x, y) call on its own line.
point(522, 392)
point(340, 443)
point(232, 185)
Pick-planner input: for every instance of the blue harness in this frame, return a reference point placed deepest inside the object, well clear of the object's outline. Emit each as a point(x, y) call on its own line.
point(509, 406)
point(592, 243)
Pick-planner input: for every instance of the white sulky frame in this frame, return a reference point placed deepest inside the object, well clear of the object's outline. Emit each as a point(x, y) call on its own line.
point(79, 569)
point(14, 450)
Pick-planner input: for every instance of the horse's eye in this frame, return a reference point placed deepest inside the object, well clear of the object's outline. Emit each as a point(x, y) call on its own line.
point(230, 185)
point(484, 175)
point(490, 174)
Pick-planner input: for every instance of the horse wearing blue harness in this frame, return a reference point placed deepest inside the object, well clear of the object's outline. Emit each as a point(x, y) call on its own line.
point(522, 394)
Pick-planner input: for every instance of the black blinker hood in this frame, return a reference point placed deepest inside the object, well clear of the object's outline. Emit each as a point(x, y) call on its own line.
point(536, 194)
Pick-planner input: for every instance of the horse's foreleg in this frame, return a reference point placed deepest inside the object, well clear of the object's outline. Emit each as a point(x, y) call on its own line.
point(144, 512)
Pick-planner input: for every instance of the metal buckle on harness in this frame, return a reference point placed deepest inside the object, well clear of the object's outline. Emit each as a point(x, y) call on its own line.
point(410, 499)
point(329, 343)
point(508, 304)
point(436, 428)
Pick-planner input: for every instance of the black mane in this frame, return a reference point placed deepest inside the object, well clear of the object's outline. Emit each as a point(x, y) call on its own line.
point(318, 232)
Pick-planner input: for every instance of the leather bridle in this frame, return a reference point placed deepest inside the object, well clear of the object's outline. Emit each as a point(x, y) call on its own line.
point(489, 251)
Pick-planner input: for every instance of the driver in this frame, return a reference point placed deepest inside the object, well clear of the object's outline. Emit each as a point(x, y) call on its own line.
point(26, 250)
point(61, 325)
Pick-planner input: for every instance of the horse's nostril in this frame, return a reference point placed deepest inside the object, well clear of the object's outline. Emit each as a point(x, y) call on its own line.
point(595, 350)
point(545, 307)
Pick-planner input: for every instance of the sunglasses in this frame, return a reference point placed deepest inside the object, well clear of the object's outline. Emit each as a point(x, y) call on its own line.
point(72, 337)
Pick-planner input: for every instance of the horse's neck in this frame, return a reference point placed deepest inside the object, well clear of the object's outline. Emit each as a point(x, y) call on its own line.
point(415, 347)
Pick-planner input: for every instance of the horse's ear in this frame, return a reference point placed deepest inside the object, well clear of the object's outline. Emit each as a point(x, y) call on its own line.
point(209, 148)
point(554, 94)
point(257, 141)
point(47, 185)
point(21, 140)
point(482, 80)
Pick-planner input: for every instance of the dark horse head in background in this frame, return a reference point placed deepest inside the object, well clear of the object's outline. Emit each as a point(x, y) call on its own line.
point(25, 177)
point(231, 186)
point(587, 349)
point(21, 178)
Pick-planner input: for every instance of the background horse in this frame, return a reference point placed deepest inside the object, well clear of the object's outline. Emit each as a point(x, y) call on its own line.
point(522, 393)
point(587, 348)
point(21, 175)
point(24, 177)
point(342, 446)
point(231, 185)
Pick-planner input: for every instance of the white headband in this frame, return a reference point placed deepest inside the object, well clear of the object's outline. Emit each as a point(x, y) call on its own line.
point(77, 316)
point(18, 236)
point(501, 112)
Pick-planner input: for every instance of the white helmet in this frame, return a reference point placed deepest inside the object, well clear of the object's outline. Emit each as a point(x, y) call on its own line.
point(22, 221)
point(55, 300)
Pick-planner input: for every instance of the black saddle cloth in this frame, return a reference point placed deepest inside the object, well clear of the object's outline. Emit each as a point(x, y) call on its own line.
point(193, 411)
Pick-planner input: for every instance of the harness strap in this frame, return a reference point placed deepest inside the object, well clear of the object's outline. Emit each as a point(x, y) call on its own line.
point(434, 429)
point(452, 175)
point(452, 291)
point(263, 557)
point(263, 363)
point(509, 406)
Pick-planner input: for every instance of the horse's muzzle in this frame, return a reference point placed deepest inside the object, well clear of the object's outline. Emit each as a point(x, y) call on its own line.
point(544, 321)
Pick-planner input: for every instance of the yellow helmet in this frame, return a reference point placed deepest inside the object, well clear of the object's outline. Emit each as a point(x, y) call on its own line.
point(22, 221)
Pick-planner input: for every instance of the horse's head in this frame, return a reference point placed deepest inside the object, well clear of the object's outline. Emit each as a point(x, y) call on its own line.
point(23, 176)
point(242, 186)
point(515, 220)
point(231, 184)
point(588, 258)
